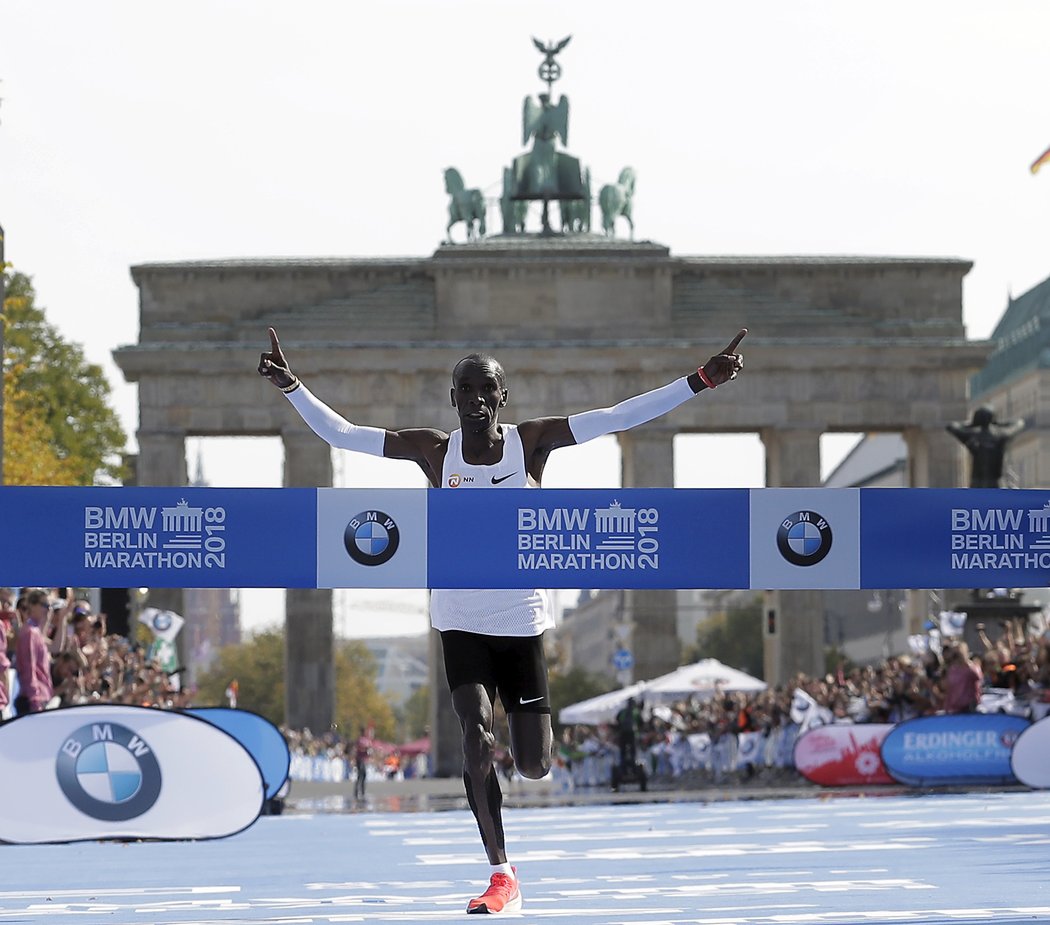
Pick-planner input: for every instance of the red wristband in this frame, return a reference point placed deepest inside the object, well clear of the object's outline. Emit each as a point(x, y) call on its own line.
point(704, 379)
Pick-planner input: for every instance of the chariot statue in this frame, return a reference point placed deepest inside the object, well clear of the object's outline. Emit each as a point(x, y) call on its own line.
point(544, 173)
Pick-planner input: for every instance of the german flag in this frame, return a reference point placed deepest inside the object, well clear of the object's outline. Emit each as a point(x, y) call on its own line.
point(1039, 161)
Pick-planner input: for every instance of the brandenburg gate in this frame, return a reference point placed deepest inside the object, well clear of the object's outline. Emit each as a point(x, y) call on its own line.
point(579, 321)
point(847, 344)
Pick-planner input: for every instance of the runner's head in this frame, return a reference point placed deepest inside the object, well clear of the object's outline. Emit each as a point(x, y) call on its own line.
point(479, 390)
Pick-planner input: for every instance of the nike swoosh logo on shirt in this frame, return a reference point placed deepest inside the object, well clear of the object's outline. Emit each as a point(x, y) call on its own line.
point(523, 701)
point(502, 478)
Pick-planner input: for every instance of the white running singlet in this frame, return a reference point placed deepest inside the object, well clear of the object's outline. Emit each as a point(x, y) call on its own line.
point(493, 611)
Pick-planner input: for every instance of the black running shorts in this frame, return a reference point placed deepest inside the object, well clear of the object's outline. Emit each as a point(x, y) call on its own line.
point(515, 666)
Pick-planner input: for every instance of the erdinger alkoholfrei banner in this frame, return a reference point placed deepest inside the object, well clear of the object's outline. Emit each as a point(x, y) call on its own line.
point(120, 772)
point(779, 538)
point(962, 748)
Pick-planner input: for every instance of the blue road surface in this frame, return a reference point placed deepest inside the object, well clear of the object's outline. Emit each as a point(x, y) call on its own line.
point(972, 858)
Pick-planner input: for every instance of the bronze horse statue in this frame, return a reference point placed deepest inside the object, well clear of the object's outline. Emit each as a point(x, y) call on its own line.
point(576, 213)
point(512, 210)
point(464, 205)
point(615, 200)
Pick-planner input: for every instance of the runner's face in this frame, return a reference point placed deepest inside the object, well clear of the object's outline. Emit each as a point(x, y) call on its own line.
point(477, 396)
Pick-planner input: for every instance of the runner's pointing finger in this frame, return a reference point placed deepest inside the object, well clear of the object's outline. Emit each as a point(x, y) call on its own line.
point(736, 340)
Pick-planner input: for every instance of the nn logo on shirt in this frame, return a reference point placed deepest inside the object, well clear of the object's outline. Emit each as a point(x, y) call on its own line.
point(455, 480)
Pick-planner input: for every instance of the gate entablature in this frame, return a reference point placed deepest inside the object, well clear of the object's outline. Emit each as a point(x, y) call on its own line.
point(620, 316)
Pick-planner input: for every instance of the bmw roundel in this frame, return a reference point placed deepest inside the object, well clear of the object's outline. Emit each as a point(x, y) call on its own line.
point(162, 621)
point(804, 538)
point(371, 538)
point(108, 772)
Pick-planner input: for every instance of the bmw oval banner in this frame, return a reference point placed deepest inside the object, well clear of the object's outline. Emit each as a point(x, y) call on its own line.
point(259, 736)
point(120, 772)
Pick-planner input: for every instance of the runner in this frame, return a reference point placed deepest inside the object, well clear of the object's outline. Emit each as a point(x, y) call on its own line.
point(492, 640)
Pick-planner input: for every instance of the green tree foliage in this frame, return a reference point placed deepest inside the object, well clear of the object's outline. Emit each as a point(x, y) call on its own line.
point(65, 397)
point(733, 637)
point(414, 715)
point(573, 686)
point(42, 466)
point(357, 700)
point(258, 668)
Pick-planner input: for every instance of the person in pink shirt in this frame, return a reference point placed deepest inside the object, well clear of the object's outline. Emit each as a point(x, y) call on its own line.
point(33, 655)
point(962, 680)
point(5, 695)
point(8, 622)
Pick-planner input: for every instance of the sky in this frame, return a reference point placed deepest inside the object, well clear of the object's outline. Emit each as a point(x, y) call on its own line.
point(137, 132)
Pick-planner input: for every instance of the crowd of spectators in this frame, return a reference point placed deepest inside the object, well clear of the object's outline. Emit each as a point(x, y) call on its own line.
point(61, 655)
point(333, 757)
point(741, 736)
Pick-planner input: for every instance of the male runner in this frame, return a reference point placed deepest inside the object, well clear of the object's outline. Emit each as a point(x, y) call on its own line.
point(492, 640)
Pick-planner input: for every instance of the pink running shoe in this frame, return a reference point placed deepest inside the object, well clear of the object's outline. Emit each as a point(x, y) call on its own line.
point(503, 895)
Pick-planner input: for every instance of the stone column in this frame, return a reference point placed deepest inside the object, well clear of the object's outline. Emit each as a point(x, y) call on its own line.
point(647, 456)
point(162, 462)
point(934, 458)
point(792, 458)
point(446, 736)
point(797, 644)
point(162, 458)
point(309, 664)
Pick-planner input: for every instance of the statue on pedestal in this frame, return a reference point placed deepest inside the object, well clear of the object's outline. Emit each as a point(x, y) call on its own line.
point(986, 439)
point(543, 173)
point(615, 200)
point(464, 205)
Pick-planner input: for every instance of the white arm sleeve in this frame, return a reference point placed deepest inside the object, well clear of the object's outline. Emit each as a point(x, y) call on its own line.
point(630, 413)
point(334, 429)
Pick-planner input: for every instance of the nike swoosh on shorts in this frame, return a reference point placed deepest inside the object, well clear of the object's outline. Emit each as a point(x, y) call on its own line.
point(523, 701)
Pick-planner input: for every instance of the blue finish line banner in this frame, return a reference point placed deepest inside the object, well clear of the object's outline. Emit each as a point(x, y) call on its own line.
point(775, 538)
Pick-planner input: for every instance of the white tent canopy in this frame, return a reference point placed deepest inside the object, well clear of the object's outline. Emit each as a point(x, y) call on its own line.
point(703, 679)
point(600, 709)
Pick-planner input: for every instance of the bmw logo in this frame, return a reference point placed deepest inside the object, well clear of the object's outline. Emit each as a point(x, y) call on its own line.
point(804, 538)
point(371, 538)
point(108, 772)
point(162, 621)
